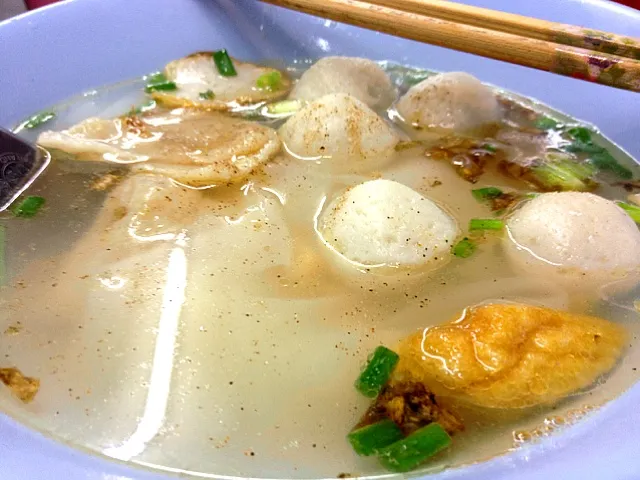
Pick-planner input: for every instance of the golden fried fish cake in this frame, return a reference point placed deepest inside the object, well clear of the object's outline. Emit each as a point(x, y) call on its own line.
point(511, 356)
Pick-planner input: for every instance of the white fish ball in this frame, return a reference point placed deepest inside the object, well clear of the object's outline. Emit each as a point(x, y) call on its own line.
point(454, 100)
point(341, 129)
point(385, 223)
point(361, 78)
point(575, 238)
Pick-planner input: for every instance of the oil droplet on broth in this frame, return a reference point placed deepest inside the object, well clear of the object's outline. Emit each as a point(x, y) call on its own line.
point(551, 425)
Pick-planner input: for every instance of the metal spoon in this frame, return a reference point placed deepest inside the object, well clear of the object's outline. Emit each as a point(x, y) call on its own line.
point(20, 164)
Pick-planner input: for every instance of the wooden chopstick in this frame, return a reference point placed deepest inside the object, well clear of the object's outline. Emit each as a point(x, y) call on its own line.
point(522, 26)
point(603, 68)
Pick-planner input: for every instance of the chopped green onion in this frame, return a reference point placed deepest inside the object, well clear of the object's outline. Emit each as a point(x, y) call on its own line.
point(38, 119)
point(485, 224)
point(410, 452)
point(284, 107)
point(413, 77)
point(489, 148)
point(208, 95)
point(546, 123)
point(403, 76)
point(376, 372)
point(486, 193)
point(224, 64)
point(150, 105)
point(368, 440)
point(632, 210)
point(464, 248)
point(157, 82)
point(598, 156)
point(269, 81)
point(605, 161)
point(28, 207)
point(531, 195)
point(578, 146)
point(581, 134)
point(564, 174)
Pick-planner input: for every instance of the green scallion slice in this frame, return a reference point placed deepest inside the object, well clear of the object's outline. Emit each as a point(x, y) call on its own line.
point(413, 77)
point(284, 107)
point(564, 176)
point(208, 95)
point(546, 123)
point(38, 119)
point(410, 452)
point(377, 371)
point(578, 146)
point(605, 161)
point(464, 248)
point(489, 148)
point(159, 82)
point(632, 210)
point(28, 207)
point(269, 81)
point(582, 134)
point(599, 156)
point(476, 224)
point(224, 64)
point(486, 193)
point(368, 440)
point(150, 105)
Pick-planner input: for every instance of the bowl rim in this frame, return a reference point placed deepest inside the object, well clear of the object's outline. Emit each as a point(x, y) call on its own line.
point(27, 448)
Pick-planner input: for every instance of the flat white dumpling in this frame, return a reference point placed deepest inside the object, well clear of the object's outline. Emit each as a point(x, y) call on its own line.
point(341, 128)
point(579, 238)
point(197, 74)
point(121, 279)
point(359, 77)
point(381, 222)
point(194, 148)
point(147, 207)
point(454, 100)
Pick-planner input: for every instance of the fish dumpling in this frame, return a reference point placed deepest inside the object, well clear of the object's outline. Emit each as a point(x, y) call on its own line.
point(200, 85)
point(119, 278)
point(147, 207)
point(511, 356)
point(382, 222)
point(576, 238)
point(342, 129)
point(359, 77)
point(194, 148)
point(449, 101)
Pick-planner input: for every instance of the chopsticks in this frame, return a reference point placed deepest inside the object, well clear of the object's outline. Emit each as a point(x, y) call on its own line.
point(444, 26)
point(520, 25)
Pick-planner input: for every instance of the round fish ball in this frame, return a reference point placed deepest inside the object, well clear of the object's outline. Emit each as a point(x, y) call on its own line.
point(339, 128)
point(359, 77)
point(451, 101)
point(578, 239)
point(385, 223)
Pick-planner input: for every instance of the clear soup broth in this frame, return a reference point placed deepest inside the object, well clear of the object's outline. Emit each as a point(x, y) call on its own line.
point(212, 330)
